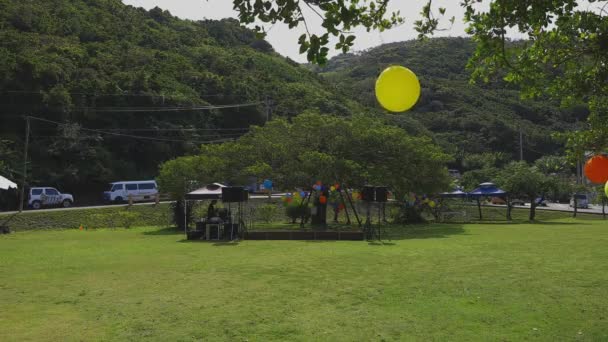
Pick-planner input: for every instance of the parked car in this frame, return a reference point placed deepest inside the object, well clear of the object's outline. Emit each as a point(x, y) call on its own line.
point(48, 197)
point(540, 202)
point(498, 200)
point(582, 201)
point(518, 202)
point(138, 190)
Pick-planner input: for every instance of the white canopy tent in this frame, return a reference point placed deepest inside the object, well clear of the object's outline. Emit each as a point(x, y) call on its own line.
point(231, 223)
point(210, 191)
point(6, 184)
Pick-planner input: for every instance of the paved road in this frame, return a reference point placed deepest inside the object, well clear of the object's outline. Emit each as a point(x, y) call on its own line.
point(593, 209)
point(27, 211)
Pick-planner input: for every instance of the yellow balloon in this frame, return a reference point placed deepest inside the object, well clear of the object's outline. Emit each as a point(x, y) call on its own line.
point(397, 89)
point(606, 189)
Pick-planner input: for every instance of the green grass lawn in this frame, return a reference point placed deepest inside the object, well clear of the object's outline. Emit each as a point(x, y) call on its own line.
point(508, 282)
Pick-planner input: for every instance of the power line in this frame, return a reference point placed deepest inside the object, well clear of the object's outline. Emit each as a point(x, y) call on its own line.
point(165, 109)
point(173, 129)
point(145, 109)
point(108, 94)
point(238, 131)
point(129, 135)
point(231, 135)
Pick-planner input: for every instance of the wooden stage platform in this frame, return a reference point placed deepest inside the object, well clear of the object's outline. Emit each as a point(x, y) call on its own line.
point(309, 235)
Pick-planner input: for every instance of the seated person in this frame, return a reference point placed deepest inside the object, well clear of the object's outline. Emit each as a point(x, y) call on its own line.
point(212, 216)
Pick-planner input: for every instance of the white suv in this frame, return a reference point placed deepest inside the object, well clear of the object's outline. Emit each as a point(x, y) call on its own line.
point(39, 197)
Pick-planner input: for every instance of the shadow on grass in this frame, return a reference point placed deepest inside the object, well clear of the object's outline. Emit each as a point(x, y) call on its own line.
point(164, 231)
point(214, 243)
point(429, 231)
point(445, 230)
point(307, 228)
point(522, 222)
point(380, 243)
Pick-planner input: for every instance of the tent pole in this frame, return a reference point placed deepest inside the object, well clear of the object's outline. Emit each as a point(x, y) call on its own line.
point(185, 217)
point(345, 207)
point(350, 201)
point(307, 200)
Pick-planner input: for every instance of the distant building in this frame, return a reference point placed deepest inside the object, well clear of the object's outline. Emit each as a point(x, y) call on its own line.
point(454, 173)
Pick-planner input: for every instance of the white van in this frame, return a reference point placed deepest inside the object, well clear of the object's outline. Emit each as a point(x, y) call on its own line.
point(138, 190)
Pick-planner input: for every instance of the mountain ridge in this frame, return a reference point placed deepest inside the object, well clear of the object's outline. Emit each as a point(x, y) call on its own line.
point(453, 108)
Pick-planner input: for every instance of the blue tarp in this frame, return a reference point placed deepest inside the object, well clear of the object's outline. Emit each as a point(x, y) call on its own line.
point(487, 189)
point(483, 190)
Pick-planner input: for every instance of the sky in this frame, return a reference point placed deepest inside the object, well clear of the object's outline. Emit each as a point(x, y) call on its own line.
point(285, 41)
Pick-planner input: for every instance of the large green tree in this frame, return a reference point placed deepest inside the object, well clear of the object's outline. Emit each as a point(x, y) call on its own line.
point(317, 147)
point(338, 18)
point(520, 179)
point(564, 55)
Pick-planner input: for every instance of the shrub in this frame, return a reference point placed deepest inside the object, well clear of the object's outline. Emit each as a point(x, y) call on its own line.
point(267, 212)
point(177, 208)
point(296, 211)
point(127, 218)
point(409, 215)
point(106, 217)
point(101, 220)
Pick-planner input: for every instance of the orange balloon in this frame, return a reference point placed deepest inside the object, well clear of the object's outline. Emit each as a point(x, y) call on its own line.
point(322, 199)
point(596, 169)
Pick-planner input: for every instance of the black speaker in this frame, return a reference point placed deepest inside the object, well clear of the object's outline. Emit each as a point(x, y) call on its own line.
point(381, 194)
point(368, 193)
point(234, 194)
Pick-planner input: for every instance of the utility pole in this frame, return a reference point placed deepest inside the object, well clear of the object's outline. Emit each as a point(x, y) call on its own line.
point(578, 170)
point(26, 148)
point(268, 110)
point(521, 145)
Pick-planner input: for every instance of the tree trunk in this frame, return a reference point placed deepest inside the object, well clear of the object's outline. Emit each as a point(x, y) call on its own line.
point(604, 208)
point(508, 208)
point(479, 208)
point(532, 209)
point(320, 219)
point(575, 206)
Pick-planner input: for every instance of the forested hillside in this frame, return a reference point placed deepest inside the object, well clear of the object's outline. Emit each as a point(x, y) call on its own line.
point(84, 61)
point(466, 119)
point(138, 87)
